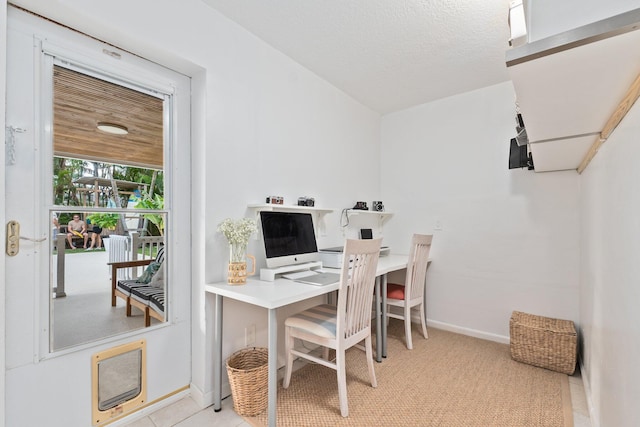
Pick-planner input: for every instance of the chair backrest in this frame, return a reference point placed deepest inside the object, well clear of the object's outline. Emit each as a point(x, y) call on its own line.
point(417, 266)
point(357, 281)
point(148, 246)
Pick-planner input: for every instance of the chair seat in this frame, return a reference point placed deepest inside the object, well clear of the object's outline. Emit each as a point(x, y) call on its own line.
point(156, 302)
point(395, 291)
point(319, 320)
point(125, 286)
point(149, 295)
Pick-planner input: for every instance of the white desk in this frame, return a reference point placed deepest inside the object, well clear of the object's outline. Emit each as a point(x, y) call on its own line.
point(281, 292)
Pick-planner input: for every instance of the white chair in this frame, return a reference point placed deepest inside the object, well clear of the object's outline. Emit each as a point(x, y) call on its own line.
point(411, 294)
point(344, 326)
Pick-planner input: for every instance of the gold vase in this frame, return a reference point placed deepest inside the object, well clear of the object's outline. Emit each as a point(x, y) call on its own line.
point(238, 271)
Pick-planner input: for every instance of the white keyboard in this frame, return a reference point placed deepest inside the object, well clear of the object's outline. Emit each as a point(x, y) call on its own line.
point(299, 274)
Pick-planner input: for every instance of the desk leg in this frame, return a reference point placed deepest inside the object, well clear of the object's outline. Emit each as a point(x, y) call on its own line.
point(273, 368)
point(217, 356)
point(383, 281)
point(378, 323)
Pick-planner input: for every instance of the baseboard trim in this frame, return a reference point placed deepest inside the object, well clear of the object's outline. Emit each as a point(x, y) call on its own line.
point(468, 331)
point(206, 399)
point(593, 413)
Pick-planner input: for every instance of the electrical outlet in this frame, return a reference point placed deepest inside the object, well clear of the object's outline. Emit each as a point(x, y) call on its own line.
point(250, 335)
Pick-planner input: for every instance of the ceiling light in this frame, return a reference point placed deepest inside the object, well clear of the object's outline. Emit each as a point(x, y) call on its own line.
point(113, 128)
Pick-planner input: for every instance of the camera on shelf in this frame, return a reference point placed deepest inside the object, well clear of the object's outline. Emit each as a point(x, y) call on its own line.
point(377, 206)
point(361, 206)
point(275, 200)
point(306, 201)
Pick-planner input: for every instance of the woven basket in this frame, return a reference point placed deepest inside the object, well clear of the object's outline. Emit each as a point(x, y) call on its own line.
point(248, 372)
point(544, 342)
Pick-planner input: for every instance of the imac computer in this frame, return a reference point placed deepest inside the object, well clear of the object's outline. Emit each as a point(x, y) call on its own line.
point(289, 238)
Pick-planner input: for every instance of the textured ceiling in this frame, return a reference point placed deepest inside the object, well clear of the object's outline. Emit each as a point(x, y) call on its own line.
point(387, 54)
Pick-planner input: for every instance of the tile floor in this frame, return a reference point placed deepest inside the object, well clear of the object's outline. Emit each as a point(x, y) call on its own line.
point(185, 412)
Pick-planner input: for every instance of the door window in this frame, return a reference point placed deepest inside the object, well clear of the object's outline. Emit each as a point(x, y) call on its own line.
point(107, 206)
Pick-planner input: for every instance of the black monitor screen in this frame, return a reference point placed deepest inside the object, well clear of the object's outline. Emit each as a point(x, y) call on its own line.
point(287, 233)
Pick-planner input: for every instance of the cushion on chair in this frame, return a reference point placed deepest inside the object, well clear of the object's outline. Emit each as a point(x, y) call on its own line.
point(319, 320)
point(156, 302)
point(158, 278)
point(395, 291)
point(125, 286)
point(150, 296)
point(149, 272)
point(160, 255)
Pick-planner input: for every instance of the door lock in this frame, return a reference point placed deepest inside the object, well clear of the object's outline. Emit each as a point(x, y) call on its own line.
point(13, 238)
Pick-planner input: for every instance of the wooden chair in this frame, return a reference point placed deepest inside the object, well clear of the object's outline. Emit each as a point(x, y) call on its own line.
point(149, 299)
point(411, 294)
point(344, 326)
point(118, 292)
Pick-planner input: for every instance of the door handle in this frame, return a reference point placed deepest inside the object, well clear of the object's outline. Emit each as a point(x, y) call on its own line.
point(13, 238)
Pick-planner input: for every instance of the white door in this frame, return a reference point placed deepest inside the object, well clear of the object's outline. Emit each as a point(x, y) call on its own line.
point(45, 384)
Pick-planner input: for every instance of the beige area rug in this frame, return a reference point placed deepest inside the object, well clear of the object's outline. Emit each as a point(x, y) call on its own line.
point(449, 380)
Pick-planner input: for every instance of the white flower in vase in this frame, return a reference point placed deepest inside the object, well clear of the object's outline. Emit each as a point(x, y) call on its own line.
point(237, 233)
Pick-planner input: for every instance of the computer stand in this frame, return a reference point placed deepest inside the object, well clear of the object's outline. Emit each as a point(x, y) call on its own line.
point(269, 274)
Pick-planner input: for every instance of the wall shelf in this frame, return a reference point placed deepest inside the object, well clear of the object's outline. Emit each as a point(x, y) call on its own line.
point(381, 217)
point(288, 208)
point(384, 216)
point(568, 85)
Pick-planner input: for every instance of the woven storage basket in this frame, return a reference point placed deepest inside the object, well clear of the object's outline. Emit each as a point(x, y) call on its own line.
point(544, 342)
point(248, 372)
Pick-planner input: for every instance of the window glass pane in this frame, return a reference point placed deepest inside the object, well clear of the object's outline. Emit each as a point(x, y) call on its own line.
point(108, 206)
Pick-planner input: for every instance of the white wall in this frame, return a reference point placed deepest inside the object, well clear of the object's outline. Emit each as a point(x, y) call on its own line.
point(277, 129)
point(263, 125)
point(609, 291)
point(509, 238)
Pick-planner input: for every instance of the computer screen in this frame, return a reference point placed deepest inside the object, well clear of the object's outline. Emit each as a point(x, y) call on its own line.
point(289, 238)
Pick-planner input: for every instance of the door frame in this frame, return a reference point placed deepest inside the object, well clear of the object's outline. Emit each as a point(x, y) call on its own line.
point(3, 101)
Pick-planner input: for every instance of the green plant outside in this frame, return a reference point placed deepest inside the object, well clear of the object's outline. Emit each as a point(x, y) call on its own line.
point(66, 171)
point(104, 220)
point(156, 202)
